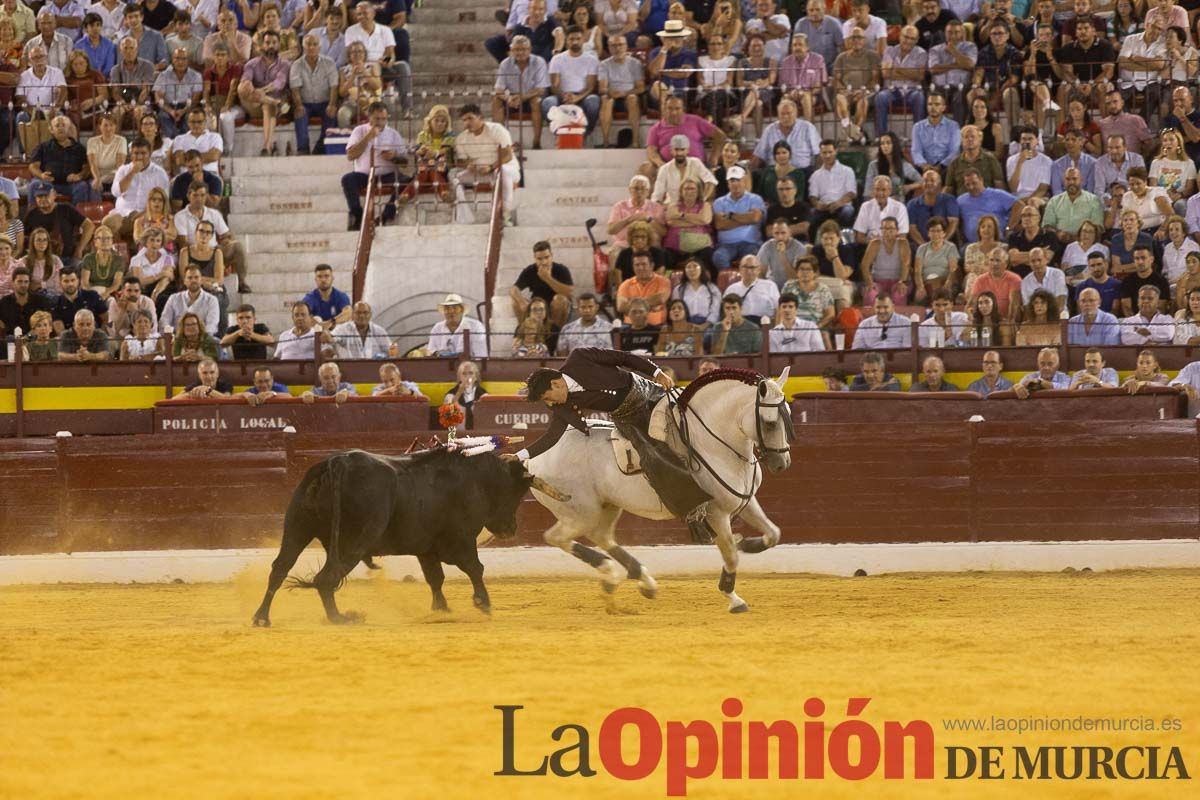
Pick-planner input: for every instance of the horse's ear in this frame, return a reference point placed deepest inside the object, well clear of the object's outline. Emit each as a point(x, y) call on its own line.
point(783, 376)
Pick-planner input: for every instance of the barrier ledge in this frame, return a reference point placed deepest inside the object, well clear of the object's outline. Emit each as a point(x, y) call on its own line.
point(214, 566)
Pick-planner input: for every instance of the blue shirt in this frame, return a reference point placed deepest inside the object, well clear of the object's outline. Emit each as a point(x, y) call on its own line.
point(103, 57)
point(938, 144)
point(1087, 169)
point(277, 388)
point(319, 390)
point(981, 387)
point(1109, 291)
point(8, 188)
point(945, 206)
point(683, 59)
point(326, 309)
point(1105, 330)
point(1060, 380)
point(749, 233)
point(996, 202)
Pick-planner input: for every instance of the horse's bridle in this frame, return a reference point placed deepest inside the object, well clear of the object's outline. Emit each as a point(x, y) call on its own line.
point(695, 458)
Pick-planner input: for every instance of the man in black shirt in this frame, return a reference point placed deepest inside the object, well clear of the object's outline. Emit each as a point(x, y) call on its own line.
point(547, 279)
point(1185, 119)
point(1089, 59)
point(931, 25)
point(74, 299)
point(1145, 274)
point(790, 208)
point(247, 339)
point(18, 307)
point(61, 162)
point(208, 384)
point(67, 227)
point(639, 335)
point(195, 171)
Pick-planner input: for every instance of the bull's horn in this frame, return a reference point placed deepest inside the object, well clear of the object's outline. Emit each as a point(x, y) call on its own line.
point(550, 491)
point(783, 376)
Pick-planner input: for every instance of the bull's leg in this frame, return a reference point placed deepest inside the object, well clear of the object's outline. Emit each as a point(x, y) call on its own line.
point(729, 554)
point(289, 551)
point(327, 581)
point(431, 565)
point(564, 536)
point(473, 567)
point(756, 518)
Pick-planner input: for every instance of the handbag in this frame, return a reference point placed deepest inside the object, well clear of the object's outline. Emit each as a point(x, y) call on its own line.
point(692, 241)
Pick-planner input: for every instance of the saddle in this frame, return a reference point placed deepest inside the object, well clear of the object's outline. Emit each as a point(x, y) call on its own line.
point(625, 454)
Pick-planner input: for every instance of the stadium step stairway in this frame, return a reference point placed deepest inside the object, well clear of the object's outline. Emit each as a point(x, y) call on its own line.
point(449, 62)
point(563, 189)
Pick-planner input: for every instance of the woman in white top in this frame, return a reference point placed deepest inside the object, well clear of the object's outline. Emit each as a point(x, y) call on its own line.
point(592, 34)
point(106, 151)
point(154, 266)
point(619, 18)
point(715, 81)
point(160, 146)
point(1075, 257)
point(1174, 170)
point(1179, 244)
point(144, 343)
point(1181, 57)
point(702, 298)
point(1187, 320)
point(1151, 202)
point(43, 264)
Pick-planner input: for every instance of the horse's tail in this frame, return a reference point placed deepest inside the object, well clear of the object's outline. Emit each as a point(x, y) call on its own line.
point(328, 484)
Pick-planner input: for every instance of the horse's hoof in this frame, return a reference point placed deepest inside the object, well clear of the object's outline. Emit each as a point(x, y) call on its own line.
point(610, 575)
point(261, 622)
point(609, 588)
point(648, 592)
point(739, 609)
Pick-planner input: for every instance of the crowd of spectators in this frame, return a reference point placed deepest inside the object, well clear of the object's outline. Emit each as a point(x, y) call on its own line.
point(823, 174)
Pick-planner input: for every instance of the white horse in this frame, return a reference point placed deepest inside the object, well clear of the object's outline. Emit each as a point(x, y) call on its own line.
point(730, 423)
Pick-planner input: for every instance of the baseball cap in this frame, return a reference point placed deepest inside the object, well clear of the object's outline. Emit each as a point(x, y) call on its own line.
point(735, 173)
point(42, 190)
point(679, 140)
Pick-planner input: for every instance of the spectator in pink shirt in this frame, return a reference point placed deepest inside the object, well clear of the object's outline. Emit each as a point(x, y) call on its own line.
point(675, 122)
point(637, 208)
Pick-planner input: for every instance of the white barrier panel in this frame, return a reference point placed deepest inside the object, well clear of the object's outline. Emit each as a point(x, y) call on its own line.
point(207, 566)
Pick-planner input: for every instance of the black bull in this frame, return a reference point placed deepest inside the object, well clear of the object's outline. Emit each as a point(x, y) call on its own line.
point(431, 505)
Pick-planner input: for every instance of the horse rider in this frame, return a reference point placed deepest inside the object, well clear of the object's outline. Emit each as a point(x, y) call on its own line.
point(626, 387)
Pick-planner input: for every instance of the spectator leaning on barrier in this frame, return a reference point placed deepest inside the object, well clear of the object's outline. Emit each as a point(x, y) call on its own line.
point(933, 370)
point(1094, 375)
point(265, 387)
point(392, 384)
point(1145, 373)
point(446, 337)
point(992, 380)
point(209, 385)
point(359, 337)
point(874, 376)
point(1047, 376)
point(331, 385)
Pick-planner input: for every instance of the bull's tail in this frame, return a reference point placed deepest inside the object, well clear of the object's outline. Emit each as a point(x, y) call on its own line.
point(330, 479)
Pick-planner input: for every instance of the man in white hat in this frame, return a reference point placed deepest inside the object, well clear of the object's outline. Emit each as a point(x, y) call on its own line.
point(446, 337)
point(670, 66)
point(738, 218)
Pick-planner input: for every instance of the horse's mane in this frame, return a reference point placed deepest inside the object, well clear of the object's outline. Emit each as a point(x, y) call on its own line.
point(746, 376)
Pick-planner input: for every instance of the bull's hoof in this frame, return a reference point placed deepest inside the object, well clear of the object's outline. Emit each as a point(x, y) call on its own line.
point(739, 609)
point(261, 622)
point(348, 618)
point(442, 607)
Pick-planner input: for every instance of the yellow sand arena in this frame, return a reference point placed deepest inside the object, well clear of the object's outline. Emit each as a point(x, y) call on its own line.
point(166, 691)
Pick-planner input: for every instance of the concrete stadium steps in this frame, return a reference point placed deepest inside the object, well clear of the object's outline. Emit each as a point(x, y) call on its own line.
point(448, 53)
point(563, 188)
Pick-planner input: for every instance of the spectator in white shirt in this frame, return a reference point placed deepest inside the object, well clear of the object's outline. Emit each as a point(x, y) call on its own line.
point(587, 330)
point(760, 296)
point(945, 327)
point(296, 343)
point(446, 337)
point(1149, 325)
point(194, 300)
point(374, 143)
point(1029, 171)
point(1042, 276)
point(792, 334)
point(132, 185)
point(882, 205)
point(359, 337)
point(199, 138)
point(573, 78)
point(885, 330)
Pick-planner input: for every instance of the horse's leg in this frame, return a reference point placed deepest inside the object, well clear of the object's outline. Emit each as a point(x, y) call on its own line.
point(606, 537)
point(729, 553)
point(563, 536)
point(756, 518)
point(431, 566)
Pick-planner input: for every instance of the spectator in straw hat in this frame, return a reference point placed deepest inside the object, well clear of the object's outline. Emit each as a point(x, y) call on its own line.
point(446, 337)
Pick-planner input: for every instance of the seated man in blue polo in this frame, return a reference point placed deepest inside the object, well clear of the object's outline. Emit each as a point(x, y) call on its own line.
point(738, 218)
point(265, 387)
point(329, 306)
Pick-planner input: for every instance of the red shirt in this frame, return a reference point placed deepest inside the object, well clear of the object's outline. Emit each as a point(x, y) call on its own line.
point(221, 83)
